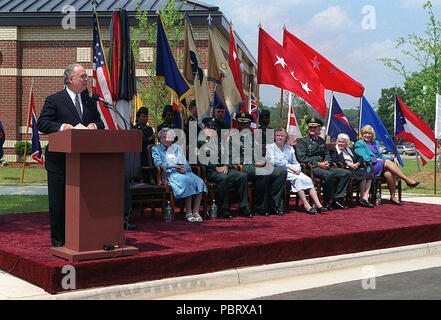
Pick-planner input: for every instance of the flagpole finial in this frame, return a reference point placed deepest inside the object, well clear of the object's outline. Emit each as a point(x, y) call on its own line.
point(231, 23)
point(259, 25)
point(209, 19)
point(284, 27)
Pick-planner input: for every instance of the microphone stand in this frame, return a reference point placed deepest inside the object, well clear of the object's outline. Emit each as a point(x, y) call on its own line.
point(111, 107)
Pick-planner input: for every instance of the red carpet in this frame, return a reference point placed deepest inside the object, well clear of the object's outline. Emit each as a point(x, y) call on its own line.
point(182, 248)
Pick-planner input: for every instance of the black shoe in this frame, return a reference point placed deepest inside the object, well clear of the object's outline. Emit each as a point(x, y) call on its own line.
point(225, 214)
point(338, 206)
point(328, 207)
point(397, 203)
point(277, 211)
point(365, 203)
point(264, 213)
point(413, 185)
point(311, 211)
point(245, 212)
point(57, 243)
point(322, 209)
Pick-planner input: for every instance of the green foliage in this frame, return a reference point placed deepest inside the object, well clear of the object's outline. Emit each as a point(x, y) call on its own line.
point(420, 86)
point(152, 91)
point(20, 146)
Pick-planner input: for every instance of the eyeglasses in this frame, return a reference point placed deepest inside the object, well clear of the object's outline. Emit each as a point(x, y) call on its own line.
point(83, 77)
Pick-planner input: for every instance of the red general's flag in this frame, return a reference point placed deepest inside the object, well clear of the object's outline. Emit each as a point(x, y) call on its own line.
point(330, 76)
point(233, 61)
point(290, 71)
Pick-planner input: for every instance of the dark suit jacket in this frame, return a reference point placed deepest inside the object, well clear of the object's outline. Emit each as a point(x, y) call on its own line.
point(58, 109)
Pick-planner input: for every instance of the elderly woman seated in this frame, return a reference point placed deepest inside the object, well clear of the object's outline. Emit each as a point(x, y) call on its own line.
point(346, 155)
point(185, 184)
point(282, 155)
point(384, 166)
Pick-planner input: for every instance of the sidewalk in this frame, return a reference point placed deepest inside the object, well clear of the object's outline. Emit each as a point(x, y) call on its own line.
point(23, 190)
point(252, 282)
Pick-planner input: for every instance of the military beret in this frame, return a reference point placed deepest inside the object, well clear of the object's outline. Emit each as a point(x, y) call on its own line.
point(210, 122)
point(314, 122)
point(244, 117)
point(167, 108)
point(264, 113)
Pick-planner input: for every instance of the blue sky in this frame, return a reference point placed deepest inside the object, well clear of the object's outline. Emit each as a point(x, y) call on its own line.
point(335, 29)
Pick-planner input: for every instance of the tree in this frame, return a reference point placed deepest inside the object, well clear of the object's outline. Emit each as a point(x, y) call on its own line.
point(420, 87)
point(386, 105)
point(153, 92)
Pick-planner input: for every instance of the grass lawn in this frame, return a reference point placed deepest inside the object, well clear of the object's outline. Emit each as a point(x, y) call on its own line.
point(23, 203)
point(12, 176)
point(425, 176)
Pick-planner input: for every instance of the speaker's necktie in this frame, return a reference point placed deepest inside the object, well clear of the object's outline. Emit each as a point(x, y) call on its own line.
point(78, 107)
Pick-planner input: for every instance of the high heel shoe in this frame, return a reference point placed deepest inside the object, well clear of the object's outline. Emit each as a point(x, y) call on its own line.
point(413, 185)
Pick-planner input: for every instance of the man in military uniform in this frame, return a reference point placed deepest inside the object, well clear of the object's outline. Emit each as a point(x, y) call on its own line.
point(192, 119)
point(269, 181)
point(312, 149)
point(148, 137)
point(264, 121)
point(219, 114)
point(221, 173)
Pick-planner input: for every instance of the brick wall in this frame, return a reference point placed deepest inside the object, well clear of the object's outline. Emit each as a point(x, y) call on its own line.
point(42, 54)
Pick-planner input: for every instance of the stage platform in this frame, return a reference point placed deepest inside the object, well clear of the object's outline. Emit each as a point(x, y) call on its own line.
point(180, 248)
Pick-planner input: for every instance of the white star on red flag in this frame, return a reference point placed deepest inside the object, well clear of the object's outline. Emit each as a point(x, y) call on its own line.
point(280, 61)
point(316, 63)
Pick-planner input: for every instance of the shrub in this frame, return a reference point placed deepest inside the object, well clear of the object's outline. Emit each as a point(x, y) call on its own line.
point(19, 148)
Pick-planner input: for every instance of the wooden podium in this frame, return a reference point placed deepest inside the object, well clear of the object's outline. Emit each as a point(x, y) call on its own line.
point(94, 191)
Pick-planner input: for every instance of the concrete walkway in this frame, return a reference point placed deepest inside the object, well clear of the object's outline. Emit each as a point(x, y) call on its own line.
point(253, 282)
point(23, 190)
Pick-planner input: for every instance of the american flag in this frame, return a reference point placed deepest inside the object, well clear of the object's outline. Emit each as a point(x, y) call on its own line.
point(100, 81)
point(37, 153)
point(253, 110)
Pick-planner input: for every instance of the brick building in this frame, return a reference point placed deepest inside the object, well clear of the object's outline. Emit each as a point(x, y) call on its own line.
point(34, 45)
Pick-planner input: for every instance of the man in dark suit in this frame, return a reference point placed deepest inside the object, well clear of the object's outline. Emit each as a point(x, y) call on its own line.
point(63, 111)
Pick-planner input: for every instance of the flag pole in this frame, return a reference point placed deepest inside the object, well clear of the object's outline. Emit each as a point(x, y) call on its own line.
point(27, 129)
point(359, 116)
point(281, 108)
point(329, 114)
point(258, 101)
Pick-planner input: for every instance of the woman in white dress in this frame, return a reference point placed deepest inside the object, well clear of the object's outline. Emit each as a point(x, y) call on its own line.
point(283, 155)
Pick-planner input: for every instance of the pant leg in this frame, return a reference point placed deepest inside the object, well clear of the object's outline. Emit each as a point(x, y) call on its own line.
point(221, 181)
point(327, 183)
point(278, 180)
point(261, 183)
point(344, 177)
point(56, 184)
point(240, 181)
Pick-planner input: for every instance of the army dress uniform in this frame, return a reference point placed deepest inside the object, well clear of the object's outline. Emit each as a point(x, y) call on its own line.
point(313, 150)
point(239, 179)
point(268, 187)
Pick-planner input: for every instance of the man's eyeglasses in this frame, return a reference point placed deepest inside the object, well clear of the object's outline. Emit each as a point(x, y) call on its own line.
point(83, 77)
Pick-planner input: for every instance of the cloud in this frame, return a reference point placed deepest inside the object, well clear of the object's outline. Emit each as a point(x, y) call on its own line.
point(332, 19)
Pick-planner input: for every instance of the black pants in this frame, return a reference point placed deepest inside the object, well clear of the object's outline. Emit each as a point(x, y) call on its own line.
point(56, 185)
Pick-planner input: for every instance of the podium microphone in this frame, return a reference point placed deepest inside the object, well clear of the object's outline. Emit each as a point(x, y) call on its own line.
point(108, 105)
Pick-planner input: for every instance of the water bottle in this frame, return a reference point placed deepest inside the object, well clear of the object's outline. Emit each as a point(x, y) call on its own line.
point(213, 213)
point(168, 213)
point(378, 200)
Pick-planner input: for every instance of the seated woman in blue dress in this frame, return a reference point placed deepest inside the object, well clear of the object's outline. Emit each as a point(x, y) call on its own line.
point(184, 183)
point(283, 155)
point(384, 166)
point(346, 155)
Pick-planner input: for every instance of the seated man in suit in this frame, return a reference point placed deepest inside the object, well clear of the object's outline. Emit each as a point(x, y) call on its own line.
point(312, 149)
point(222, 173)
point(63, 111)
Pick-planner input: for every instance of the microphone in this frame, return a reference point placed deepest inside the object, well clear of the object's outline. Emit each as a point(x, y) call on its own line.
point(97, 97)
